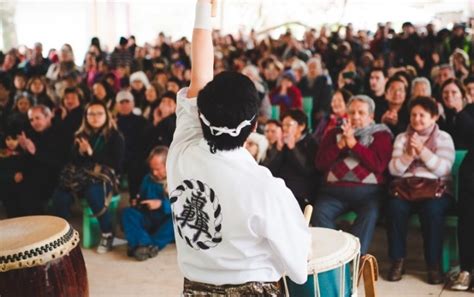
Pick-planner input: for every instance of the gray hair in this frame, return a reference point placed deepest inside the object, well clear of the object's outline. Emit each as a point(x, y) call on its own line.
point(421, 80)
point(46, 111)
point(365, 99)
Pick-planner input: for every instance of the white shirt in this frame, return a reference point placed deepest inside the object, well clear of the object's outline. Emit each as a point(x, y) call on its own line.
point(234, 222)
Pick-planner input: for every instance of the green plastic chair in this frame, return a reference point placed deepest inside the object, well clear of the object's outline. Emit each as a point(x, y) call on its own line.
point(308, 110)
point(276, 112)
point(450, 251)
point(450, 244)
point(90, 225)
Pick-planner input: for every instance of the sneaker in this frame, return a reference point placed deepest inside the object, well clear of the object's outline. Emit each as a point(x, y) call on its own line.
point(141, 253)
point(462, 281)
point(105, 244)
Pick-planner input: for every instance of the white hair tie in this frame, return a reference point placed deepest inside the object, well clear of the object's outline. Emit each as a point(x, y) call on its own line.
point(217, 131)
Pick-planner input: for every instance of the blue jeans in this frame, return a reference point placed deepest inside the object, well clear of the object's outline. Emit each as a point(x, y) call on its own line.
point(94, 194)
point(431, 213)
point(364, 200)
point(144, 228)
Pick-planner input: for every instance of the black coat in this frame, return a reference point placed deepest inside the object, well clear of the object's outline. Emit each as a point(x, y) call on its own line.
point(133, 128)
point(109, 152)
point(458, 126)
point(161, 134)
point(296, 168)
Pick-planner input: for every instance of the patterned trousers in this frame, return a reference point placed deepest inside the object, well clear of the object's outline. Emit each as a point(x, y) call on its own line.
point(253, 289)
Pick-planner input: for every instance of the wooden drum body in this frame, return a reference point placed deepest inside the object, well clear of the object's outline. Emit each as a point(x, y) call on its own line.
point(40, 256)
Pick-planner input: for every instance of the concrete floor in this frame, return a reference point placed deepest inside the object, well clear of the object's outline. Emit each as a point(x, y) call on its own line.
point(114, 274)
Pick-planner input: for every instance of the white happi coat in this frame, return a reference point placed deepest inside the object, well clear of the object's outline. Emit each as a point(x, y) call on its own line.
point(234, 222)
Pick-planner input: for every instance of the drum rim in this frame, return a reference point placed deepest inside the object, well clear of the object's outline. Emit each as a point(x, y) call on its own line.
point(52, 248)
point(349, 252)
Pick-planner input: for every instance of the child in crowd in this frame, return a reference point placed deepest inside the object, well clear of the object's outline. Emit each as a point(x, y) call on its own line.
point(148, 224)
point(11, 176)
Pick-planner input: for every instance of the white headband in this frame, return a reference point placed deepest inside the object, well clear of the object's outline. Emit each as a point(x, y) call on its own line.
point(217, 131)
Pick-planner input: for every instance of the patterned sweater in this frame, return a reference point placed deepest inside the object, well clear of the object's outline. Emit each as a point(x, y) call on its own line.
point(434, 164)
point(361, 165)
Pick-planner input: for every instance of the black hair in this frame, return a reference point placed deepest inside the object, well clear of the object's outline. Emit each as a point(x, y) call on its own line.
point(169, 94)
point(383, 70)
point(468, 80)
point(299, 116)
point(427, 103)
point(275, 122)
point(228, 100)
point(458, 83)
point(346, 95)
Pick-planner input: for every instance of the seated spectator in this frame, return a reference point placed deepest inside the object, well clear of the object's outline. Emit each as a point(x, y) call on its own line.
point(44, 159)
point(395, 116)
point(469, 86)
point(96, 161)
point(19, 82)
point(291, 158)
point(265, 111)
point(354, 159)
point(273, 133)
point(132, 127)
point(339, 113)
point(454, 101)
point(286, 94)
point(12, 165)
point(139, 83)
point(37, 88)
point(18, 117)
point(70, 117)
point(257, 146)
point(6, 103)
point(466, 205)
point(147, 224)
point(318, 86)
point(420, 87)
point(151, 101)
point(422, 151)
point(377, 81)
point(163, 123)
point(101, 91)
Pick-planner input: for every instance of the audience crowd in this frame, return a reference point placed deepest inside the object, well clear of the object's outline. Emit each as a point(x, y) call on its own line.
point(345, 118)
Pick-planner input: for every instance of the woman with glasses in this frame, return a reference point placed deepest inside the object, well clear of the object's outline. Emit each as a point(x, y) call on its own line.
point(97, 157)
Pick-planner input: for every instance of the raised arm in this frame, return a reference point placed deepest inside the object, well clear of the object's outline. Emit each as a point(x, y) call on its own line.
point(202, 50)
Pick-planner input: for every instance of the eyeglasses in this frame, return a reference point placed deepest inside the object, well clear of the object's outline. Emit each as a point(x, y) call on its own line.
point(95, 114)
point(125, 101)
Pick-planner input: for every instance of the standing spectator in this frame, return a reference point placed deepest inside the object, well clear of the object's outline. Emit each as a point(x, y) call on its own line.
point(354, 160)
point(132, 127)
point(422, 151)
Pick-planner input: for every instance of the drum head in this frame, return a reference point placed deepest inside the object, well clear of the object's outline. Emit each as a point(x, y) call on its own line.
point(34, 240)
point(331, 249)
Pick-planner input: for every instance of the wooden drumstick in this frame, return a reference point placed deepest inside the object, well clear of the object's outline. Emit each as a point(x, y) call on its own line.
point(308, 211)
point(214, 8)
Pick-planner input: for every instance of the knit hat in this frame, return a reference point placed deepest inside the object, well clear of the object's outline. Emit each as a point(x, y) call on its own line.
point(124, 95)
point(141, 76)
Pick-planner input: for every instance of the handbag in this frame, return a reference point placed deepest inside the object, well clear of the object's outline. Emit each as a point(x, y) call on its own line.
point(417, 188)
